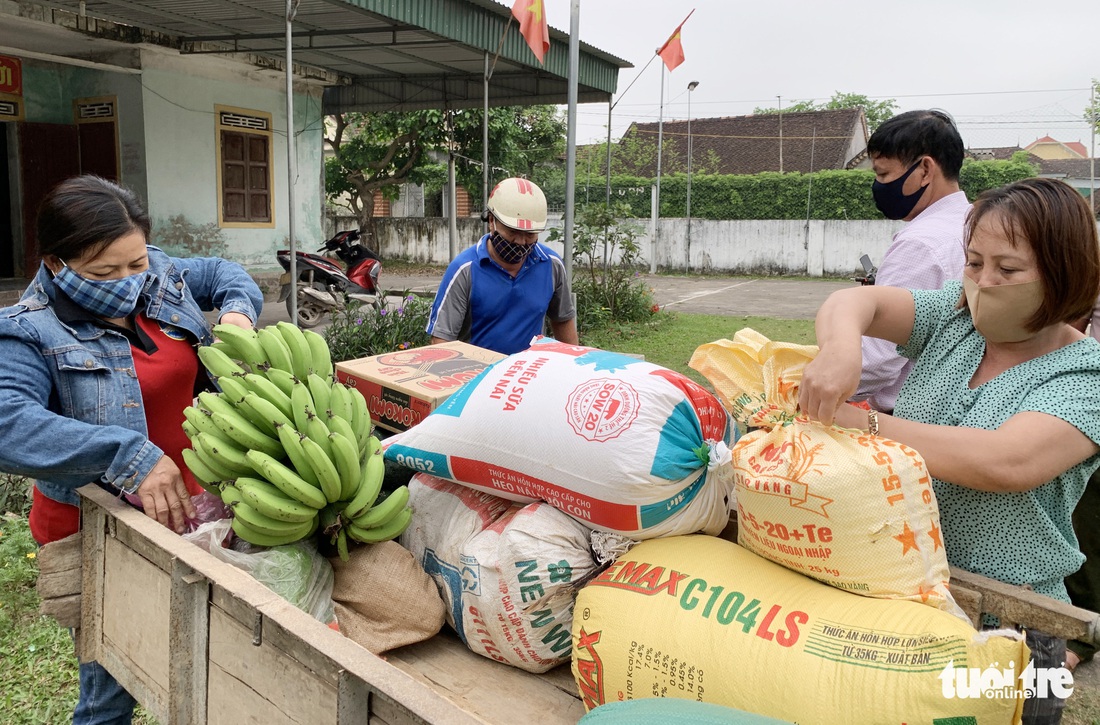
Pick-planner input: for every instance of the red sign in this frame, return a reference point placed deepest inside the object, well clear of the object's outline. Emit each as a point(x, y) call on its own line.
point(11, 75)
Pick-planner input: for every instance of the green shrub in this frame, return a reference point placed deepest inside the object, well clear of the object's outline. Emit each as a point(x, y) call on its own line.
point(15, 494)
point(607, 291)
point(373, 328)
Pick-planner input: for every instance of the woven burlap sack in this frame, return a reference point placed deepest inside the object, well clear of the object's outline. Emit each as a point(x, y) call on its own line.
point(384, 600)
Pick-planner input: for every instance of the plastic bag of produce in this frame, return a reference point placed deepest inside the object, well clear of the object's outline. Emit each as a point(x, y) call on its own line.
point(508, 572)
point(296, 572)
point(617, 443)
point(847, 508)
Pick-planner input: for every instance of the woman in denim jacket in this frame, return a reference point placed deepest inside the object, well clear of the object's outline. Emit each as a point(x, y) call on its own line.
point(99, 362)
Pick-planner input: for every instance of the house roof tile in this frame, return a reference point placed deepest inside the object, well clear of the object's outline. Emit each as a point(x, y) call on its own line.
point(811, 141)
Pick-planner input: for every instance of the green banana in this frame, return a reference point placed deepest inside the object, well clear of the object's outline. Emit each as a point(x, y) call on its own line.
point(341, 426)
point(300, 353)
point(200, 470)
point(248, 436)
point(339, 402)
point(380, 513)
point(301, 405)
point(246, 343)
point(249, 534)
point(318, 431)
point(320, 391)
point(267, 411)
point(283, 380)
point(286, 480)
point(393, 528)
point(372, 446)
point(342, 545)
point(230, 494)
point(320, 355)
point(207, 458)
point(224, 454)
point(215, 403)
point(370, 485)
point(227, 349)
point(218, 363)
point(265, 524)
point(360, 418)
point(232, 388)
point(292, 446)
point(189, 430)
point(346, 457)
point(269, 500)
point(200, 419)
point(278, 354)
point(267, 389)
point(325, 469)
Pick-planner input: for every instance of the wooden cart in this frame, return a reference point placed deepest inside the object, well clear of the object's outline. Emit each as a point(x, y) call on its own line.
point(197, 640)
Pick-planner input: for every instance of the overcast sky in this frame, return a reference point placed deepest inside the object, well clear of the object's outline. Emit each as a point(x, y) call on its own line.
point(1009, 71)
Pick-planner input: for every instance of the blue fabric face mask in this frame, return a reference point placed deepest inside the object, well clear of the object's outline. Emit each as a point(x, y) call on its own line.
point(109, 298)
point(891, 200)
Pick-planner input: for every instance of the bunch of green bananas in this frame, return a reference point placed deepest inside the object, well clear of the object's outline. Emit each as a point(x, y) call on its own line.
point(286, 445)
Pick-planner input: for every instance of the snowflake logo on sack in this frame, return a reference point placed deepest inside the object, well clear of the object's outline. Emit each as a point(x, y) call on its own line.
point(602, 409)
point(994, 684)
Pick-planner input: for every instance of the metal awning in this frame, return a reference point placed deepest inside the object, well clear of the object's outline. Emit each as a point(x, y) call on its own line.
point(386, 55)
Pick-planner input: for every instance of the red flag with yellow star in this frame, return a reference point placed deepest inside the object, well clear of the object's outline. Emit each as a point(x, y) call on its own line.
point(531, 16)
point(672, 52)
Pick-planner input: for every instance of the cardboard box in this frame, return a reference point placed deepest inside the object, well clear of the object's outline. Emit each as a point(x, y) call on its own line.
point(402, 387)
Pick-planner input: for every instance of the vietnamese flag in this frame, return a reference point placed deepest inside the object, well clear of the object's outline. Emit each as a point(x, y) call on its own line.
point(531, 16)
point(672, 52)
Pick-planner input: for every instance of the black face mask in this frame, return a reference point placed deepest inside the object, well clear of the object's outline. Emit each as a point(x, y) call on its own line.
point(510, 252)
point(891, 200)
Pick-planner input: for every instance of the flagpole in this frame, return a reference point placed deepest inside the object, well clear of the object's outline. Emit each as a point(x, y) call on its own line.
point(571, 133)
point(660, 141)
point(610, 108)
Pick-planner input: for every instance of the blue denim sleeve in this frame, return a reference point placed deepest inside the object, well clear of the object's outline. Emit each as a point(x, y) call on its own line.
point(218, 284)
point(41, 444)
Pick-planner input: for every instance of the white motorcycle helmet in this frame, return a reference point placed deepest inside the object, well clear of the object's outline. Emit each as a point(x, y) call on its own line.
point(518, 204)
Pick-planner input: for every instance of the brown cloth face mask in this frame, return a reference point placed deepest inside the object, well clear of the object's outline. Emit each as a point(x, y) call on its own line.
point(1001, 312)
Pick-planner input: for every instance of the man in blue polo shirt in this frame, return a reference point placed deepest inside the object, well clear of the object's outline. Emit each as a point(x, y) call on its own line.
point(497, 293)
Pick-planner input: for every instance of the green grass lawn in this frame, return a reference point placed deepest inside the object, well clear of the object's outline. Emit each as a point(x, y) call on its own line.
point(671, 337)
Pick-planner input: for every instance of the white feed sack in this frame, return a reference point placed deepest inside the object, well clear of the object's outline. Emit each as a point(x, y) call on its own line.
point(508, 572)
point(618, 443)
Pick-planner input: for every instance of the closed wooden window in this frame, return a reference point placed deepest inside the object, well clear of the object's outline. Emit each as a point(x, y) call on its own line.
point(245, 173)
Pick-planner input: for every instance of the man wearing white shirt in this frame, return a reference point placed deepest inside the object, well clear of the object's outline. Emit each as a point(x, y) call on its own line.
point(916, 157)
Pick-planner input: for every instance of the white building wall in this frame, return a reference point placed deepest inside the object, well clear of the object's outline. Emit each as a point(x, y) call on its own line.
point(822, 248)
point(179, 97)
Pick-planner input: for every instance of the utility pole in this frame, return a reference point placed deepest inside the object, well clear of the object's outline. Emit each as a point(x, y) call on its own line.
point(780, 100)
point(691, 87)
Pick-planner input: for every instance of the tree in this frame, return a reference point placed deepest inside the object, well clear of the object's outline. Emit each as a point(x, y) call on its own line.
point(1092, 111)
point(875, 111)
point(526, 141)
point(377, 152)
point(380, 151)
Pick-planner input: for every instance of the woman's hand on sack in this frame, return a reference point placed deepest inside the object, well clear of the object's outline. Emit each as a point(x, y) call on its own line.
point(165, 497)
point(828, 381)
point(236, 318)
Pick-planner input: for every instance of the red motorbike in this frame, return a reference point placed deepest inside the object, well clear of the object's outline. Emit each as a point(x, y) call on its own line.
point(323, 285)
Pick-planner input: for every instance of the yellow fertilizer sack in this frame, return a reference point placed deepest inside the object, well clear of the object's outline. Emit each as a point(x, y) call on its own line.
point(701, 618)
point(847, 508)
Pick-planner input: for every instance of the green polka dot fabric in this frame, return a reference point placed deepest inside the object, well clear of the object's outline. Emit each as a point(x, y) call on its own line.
point(1020, 537)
